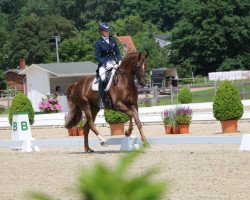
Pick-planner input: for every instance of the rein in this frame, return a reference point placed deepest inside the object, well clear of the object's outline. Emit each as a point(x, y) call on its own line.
point(135, 71)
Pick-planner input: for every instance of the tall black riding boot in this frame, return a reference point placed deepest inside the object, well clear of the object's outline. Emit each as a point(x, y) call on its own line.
point(100, 90)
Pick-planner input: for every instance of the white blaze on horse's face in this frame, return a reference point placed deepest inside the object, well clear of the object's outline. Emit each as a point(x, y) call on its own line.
point(142, 67)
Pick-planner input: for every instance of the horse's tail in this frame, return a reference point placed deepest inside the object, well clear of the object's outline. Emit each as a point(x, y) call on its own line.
point(75, 112)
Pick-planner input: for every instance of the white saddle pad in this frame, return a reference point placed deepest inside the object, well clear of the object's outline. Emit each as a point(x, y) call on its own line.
point(94, 86)
point(95, 83)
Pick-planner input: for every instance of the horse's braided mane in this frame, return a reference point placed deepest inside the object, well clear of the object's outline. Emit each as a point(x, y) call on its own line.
point(131, 53)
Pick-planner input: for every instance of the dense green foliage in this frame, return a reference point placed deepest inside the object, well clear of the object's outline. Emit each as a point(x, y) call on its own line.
point(211, 36)
point(3, 83)
point(227, 103)
point(21, 104)
point(113, 117)
point(104, 183)
point(185, 96)
point(205, 35)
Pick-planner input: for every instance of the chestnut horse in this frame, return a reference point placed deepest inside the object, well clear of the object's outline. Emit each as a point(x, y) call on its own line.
point(123, 94)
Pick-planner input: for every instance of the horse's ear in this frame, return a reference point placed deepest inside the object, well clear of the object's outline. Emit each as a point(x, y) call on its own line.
point(147, 54)
point(139, 56)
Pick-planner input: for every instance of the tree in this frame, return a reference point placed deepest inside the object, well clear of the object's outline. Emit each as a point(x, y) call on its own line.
point(3, 83)
point(102, 11)
point(162, 13)
point(81, 47)
point(211, 35)
point(30, 40)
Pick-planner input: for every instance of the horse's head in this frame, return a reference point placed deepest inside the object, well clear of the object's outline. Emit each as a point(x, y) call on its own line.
point(140, 68)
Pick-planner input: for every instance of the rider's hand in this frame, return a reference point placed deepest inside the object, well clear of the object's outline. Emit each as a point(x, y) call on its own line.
point(109, 66)
point(115, 66)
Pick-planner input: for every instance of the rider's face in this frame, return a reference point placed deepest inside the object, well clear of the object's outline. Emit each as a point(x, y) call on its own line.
point(105, 33)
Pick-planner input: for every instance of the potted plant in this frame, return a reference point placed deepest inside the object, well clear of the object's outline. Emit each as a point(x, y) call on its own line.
point(183, 119)
point(78, 129)
point(116, 121)
point(169, 121)
point(227, 106)
point(177, 120)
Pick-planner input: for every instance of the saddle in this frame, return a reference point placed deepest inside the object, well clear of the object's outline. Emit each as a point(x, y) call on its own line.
point(106, 84)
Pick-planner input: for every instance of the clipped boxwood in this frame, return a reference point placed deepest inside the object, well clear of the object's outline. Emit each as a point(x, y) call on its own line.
point(21, 104)
point(185, 96)
point(227, 102)
point(113, 117)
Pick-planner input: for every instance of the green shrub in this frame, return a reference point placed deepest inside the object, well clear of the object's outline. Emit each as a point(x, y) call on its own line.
point(21, 104)
point(113, 117)
point(227, 103)
point(185, 96)
point(1, 109)
point(101, 182)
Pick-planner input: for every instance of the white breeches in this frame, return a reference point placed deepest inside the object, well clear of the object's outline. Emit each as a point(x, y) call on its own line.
point(102, 73)
point(109, 65)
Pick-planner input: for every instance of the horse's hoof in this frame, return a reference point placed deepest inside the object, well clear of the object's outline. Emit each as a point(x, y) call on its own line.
point(104, 144)
point(127, 134)
point(89, 150)
point(146, 144)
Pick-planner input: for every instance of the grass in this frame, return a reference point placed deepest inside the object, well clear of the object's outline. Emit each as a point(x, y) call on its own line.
point(198, 96)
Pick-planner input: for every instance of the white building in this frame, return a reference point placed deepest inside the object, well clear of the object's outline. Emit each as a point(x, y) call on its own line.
point(229, 75)
point(162, 40)
point(41, 79)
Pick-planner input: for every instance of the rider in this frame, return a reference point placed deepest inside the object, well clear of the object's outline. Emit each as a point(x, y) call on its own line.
point(107, 52)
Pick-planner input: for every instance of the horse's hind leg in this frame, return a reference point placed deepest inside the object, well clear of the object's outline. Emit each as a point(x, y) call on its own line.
point(91, 115)
point(130, 128)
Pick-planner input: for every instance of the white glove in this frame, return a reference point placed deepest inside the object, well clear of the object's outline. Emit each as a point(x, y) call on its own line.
point(119, 63)
point(115, 66)
point(109, 66)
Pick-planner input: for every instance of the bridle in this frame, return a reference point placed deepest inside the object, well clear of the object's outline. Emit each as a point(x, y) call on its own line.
point(135, 71)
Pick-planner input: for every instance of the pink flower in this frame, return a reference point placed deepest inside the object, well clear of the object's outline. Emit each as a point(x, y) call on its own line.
point(49, 104)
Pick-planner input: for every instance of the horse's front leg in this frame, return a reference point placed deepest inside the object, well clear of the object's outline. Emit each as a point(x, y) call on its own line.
point(130, 128)
point(138, 123)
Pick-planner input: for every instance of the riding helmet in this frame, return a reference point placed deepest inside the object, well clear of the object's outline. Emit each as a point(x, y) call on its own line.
point(104, 26)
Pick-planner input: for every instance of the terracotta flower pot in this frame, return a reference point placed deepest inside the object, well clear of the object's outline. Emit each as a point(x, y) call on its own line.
point(117, 129)
point(72, 132)
point(229, 126)
point(167, 129)
point(79, 131)
point(184, 128)
point(175, 130)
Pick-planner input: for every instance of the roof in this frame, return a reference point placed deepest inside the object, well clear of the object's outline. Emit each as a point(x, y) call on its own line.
point(163, 37)
point(17, 71)
point(66, 69)
point(128, 42)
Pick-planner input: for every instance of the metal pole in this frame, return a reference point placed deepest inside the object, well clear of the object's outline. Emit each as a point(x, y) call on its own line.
point(57, 54)
point(155, 94)
point(243, 90)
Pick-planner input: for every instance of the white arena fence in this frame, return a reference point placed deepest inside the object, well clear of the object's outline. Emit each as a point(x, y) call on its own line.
point(146, 114)
point(117, 141)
